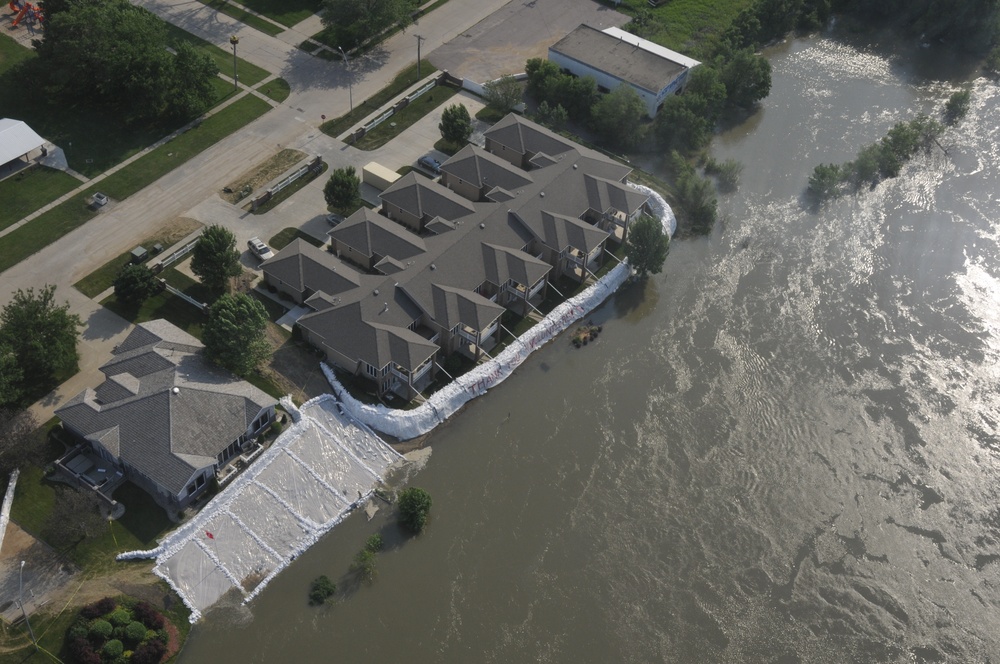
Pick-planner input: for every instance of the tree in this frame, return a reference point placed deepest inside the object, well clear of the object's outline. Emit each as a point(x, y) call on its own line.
point(957, 107)
point(10, 376)
point(75, 517)
point(360, 20)
point(503, 94)
point(365, 564)
point(321, 589)
point(341, 190)
point(681, 125)
point(618, 116)
point(234, 335)
point(113, 55)
point(992, 62)
point(17, 428)
point(414, 506)
point(706, 86)
point(647, 245)
point(215, 258)
point(747, 78)
point(456, 125)
point(824, 183)
point(41, 335)
point(135, 284)
point(552, 116)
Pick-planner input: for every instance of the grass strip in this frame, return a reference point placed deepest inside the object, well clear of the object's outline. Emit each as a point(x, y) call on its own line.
point(405, 118)
point(397, 86)
point(32, 188)
point(691, 27)
point(285, 12)
point(73, 213)
point(278, 89)
point(243, 16)
point(249, 74)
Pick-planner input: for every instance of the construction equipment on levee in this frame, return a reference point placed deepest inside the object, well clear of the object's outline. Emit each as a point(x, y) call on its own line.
point(25, 12)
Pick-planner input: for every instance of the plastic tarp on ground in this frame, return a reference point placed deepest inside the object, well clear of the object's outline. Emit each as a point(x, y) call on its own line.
point(317, 471)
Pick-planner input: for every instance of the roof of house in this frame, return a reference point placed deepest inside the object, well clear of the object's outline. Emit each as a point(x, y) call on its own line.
point(478, 167)
point(628, 58)
point(369, 233)
point(423, 198)
point(307, 268)
point(524, 137)
point(17, 139)
point(163, 409)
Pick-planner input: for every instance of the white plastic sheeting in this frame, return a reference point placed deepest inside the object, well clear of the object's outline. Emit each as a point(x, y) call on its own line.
point(8, 500)
point(660, 208)
point(317, 471)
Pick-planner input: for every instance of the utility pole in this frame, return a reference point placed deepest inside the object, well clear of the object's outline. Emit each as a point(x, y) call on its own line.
point(20, 600)
point(419, 39)
point(350, 82)
point(234, 40)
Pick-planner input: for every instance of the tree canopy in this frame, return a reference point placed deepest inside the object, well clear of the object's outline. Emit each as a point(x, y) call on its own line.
point(576, 94)
point(414, 505)
point(41, 337)
point(17, 428)
point(135, 284)
point(747, 77)
point(503, 94)
point(215, 258)
point(341, 191)
point(234, 335)
point(353, 22)
point(647, 245)
point(618, 117)
point(456, 124)
point(113, 55)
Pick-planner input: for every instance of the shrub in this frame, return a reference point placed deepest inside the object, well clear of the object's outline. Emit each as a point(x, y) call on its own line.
point(120, 617)
point(275, 428)
point(82, 652)
point(113, 649)
point(374, 543)
point(100, 630)
point(101, 607)
point(414, 505)
point(145, 613)
point(321, 590)
point(135, 632)
point(77, 631)
point(149, 652)
point(162, 636)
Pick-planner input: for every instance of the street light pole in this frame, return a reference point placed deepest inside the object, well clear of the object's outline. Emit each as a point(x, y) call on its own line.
point(419, 39)
point(350, 83)
point(20, 600)
point(234, 40)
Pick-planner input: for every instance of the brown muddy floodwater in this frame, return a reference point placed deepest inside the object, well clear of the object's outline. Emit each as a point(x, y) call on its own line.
point(783, 449)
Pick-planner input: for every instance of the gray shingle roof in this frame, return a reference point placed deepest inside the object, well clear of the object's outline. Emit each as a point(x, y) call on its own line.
point(453, 306)
point(306, 267)
point(425, 199)
point(478, 167)
point(560, 232)
point(503, 263)
point(526, 137)
point(369, 233)
point(138, 418)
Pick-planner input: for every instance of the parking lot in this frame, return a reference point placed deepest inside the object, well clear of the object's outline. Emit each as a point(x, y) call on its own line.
point(500, 43)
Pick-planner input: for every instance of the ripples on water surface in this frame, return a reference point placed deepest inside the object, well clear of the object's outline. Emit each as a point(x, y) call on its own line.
point(785, 451)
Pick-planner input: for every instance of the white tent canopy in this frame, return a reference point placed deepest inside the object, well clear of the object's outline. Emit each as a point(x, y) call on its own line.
point(17, 139)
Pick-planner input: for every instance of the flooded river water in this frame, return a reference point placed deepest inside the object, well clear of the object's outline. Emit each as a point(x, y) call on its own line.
point(784, 448)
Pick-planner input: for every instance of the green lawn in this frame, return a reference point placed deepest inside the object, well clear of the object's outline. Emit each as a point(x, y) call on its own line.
point(403, 80)
point(165, 305)
point(60, 220)
point(243, 16)
point(687, 26)
point(405, 118)
point(285, 237)
point(286, 12)
point(278, 89)
point(30, 190)
point(11, 53)
point(248, 73)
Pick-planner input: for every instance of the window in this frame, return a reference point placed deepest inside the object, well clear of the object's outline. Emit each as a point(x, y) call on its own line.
point(372, 371)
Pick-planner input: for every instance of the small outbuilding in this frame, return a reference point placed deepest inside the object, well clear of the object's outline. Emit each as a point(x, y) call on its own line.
point(614, 57)
point(17, 140)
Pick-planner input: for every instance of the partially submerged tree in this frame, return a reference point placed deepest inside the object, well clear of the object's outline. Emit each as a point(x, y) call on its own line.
point(747, 77)
point(341, 191)
point(41, 336)
point(957, 107)
point(321, 589)
point(17, 429)
point(456, 124)
point(647, 245)
point(503, 94)
point(414, 505)
point(234, 335)
point(215, 258)
point(135, 284)
point(618, 117)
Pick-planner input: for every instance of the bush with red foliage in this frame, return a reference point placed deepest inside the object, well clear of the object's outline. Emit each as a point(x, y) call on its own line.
point(101, 607)
point(149, 652)
point(83, 652)
point(145, 613)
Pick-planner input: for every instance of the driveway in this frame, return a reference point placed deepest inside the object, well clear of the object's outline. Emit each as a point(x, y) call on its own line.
point(521, 29)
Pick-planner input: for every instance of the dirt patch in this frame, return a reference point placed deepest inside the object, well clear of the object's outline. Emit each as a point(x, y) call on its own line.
point(176, 230)
point(295, 368)
point(253, 179)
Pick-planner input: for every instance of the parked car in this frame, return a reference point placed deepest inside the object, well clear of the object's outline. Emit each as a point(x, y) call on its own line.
point(259, 249)
point(334, 219)
point(100, 200)
point(429, 163)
